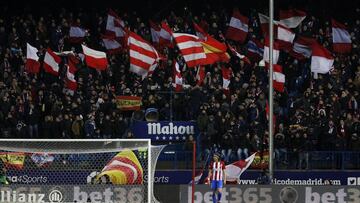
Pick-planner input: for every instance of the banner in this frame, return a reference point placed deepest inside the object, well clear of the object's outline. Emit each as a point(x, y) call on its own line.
point(165, 130)
point(128, 103)
point(272, 194)
point(177, 177)
point(13, 160)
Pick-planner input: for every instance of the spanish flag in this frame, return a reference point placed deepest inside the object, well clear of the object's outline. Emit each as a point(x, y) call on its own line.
point(13, 160)
point(123, 169)
point(215, 51)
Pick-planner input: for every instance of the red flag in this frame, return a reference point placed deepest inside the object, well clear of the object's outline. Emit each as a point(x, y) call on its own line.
point(32, 64)
point(341, 37)
point(255, 50)
point(95, 59)
point(264, 24)
point(51, 62)
point(238, 27)
point(233, 171)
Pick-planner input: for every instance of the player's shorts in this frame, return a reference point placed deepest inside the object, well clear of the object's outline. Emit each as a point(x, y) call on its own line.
point(215, 184)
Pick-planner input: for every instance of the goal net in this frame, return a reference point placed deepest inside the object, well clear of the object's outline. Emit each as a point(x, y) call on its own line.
point(111, 170)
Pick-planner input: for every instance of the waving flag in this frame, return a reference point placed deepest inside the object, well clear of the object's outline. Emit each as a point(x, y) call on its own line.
point(291, 18)
point(264, 24)
point(112, 46)
point(276, 51)
point(71, 83)
point(278, 78)
point(95, 59)
point(238, 27)
point(165, 35)
point(32, 64)
point(302, 48)
point(51, 62)
point(215, 51)
point(321, 60)
point(76, 33)
point(285, 37)
point(143, 57)
point(123, 169)
point(341, 37)
point(155, 32)
point(191, 48)
point(42, 159)
point(255, 50)
point(114, 25)
point(178, 78)
point(233, 171)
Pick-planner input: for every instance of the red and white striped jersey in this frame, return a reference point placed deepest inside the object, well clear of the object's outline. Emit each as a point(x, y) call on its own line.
point(217, 169)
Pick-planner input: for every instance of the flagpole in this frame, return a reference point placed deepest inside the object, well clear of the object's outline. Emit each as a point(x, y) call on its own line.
point(271, 107)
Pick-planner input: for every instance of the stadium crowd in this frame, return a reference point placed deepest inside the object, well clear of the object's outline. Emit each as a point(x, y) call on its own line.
point(312, 114)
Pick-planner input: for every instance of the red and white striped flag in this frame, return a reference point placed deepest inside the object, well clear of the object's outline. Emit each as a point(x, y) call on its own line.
point(276, 51)
point(191, 48)
point(341, 37)
point(95, 59)
point(285, 37)
point(114, 25)
point(112, 46)
point(321, 61)
point(71, 83)
point(302, 47)
point(143, 57)
point(51, 62)
point(278, 78)
point(76, 33)
point(178, 78)
point(200, 75)
point(165, 35)
point(238, 27)
point(291, 18)
point(32, 64)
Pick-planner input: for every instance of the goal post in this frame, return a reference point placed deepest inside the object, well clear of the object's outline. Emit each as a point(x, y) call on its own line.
point(117, 169)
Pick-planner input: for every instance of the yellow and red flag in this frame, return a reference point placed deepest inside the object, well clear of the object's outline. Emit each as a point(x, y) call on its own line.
point(128, 103)
point(123, 169)
point(13, 160)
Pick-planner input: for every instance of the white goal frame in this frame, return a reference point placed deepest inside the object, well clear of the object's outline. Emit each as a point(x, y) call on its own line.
point(149, 168)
